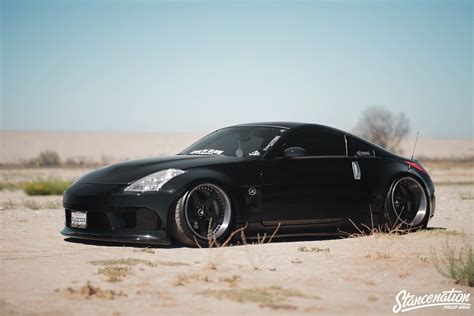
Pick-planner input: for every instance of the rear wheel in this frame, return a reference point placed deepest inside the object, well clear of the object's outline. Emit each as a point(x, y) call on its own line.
point(203, 213)
point(407, 204)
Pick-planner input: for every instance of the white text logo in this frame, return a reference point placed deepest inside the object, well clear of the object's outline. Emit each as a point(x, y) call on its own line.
point(453, 299)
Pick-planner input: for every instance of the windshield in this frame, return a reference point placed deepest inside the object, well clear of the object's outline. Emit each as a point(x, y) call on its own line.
point(240, 141)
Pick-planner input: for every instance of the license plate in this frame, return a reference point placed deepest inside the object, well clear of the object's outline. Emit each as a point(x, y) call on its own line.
point(78, 219)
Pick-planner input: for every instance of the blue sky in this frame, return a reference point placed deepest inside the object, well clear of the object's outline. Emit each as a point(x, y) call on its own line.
point(196, 66)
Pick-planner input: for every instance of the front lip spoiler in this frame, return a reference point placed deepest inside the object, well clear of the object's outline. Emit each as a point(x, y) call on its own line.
point(158, 237)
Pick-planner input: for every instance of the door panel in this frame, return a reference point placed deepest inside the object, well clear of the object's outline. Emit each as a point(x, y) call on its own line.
point(311, 190)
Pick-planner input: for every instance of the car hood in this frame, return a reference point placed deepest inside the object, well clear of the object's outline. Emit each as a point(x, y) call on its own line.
point(129, 171)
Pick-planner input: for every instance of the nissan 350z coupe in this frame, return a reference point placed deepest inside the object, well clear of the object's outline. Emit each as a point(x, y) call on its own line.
point(303, 179)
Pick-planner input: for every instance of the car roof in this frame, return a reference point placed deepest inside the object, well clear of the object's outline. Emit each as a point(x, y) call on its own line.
point(291, 125)
point(285, 125)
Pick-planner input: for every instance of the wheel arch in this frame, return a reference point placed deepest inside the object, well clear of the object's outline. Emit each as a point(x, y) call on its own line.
point(400, 175)
point(197, 176)
point(407, 173)
point(382, 173)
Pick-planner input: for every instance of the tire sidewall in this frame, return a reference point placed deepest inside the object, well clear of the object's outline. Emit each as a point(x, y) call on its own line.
point(391, 220)
point(180, 224)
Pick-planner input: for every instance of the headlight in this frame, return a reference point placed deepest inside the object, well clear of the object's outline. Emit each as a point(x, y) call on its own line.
point(154, 181)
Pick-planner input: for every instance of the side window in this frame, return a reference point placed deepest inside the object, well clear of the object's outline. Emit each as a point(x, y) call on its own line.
point(317, 143)
point(357, 148)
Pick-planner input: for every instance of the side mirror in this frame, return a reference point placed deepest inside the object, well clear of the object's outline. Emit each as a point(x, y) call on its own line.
point(292, 152)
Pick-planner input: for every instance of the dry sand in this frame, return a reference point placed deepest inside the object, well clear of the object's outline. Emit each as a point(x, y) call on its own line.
point(41, 273)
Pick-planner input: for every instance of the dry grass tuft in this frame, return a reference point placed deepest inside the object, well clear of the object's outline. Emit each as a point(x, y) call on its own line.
point(384, 237)
point(145, 250)
point(466, 195)
point(122, 262)
point(366, 282)
point(403, 274)
point(117, 269)
point(232, 281)
point(380, 254)
point(456, 263)
point(265, 295)
point(216, 254)
point(383, 231)
point(183, 279)
point(255, 260)
point(173, 264)
point(276, 306)
point(115, 273)
point(88, 292)
point(440, 232)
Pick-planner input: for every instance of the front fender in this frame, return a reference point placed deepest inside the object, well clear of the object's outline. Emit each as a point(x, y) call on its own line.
point(183, 183)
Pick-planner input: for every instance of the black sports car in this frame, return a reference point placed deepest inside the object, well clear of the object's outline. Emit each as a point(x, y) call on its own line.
point(305, 179)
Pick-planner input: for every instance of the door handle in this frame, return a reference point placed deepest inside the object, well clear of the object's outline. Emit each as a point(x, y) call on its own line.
point(356, 170)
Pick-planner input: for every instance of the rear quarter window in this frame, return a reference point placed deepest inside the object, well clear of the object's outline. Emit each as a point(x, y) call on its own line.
point(358, 148)
point(317, 142)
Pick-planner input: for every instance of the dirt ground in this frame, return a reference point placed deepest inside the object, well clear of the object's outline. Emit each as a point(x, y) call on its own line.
point(41, 273)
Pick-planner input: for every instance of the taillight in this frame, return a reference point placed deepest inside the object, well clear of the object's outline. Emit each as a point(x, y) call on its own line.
point(415, 165)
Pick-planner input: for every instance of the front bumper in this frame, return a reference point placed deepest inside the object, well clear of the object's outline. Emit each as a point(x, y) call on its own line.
point(115, 216)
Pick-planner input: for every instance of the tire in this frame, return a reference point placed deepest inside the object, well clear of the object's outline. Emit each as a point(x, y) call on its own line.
point(204, 214)
point(406, 205)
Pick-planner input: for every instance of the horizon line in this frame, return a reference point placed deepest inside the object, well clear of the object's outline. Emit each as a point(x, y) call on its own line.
point(411, 135)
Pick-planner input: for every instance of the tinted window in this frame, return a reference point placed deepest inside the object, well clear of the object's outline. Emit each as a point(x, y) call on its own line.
point(357, 148)
point(239, 141)
point(317, 143)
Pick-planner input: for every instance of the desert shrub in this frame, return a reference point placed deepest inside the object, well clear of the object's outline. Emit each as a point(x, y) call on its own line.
point(456, 263)
point(81, 162)
point(48, 158)
point(383, 128)
point(46, 187)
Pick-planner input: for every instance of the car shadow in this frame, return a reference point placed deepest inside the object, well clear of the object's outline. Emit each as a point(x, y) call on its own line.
point(175, 245)
point(435, 228)
point(235, 243)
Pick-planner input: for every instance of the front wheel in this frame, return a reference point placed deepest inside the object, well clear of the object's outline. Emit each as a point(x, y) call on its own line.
point(204, 214)
point(407, 205)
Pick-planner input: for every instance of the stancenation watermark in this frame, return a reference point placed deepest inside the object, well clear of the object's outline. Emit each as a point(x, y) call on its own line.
point(450, 300)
